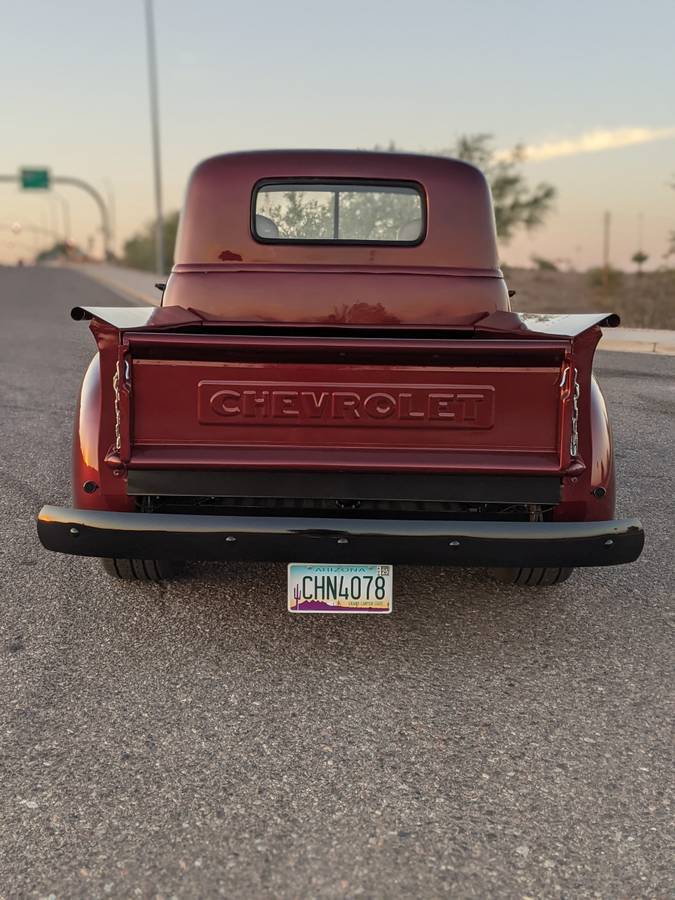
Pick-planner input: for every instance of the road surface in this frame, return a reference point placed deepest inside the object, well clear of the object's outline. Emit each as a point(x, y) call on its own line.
point(193, 740)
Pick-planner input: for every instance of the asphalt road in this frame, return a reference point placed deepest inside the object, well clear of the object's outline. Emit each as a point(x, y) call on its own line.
point(193, 740)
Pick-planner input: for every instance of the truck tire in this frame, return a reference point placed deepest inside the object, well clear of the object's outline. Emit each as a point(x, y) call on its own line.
point(140, 569)
point(532, 577)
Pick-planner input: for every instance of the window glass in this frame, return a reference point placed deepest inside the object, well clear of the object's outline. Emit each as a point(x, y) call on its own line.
point(306, 212)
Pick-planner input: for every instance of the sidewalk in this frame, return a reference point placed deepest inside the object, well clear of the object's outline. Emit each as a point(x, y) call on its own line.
point(638, 340)
point(133, 284)
point(139, 287)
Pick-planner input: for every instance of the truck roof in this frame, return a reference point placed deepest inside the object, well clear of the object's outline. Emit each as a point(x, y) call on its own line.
point(216, 229)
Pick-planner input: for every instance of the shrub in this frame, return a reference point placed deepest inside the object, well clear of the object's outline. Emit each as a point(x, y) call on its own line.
point(612, 279)
point(543, 264)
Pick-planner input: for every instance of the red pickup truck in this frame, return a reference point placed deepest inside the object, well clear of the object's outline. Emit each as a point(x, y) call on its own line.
point(335, 376)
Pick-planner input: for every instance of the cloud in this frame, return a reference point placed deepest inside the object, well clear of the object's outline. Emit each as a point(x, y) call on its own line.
point(592, 142)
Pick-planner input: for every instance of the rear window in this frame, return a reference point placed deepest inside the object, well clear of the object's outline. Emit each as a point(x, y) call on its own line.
point(338, 212)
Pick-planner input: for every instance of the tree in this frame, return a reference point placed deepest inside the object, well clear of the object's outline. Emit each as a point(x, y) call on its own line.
point(61, 250)
point(139, 250)
point(298, 214)
point(517, 205)
point(608, 279)
point(639, 258)
point(543, 264)
point(671, 237)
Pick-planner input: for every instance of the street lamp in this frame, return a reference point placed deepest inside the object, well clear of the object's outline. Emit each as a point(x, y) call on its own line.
point(65, 214)
point(154, 122)
point(55, 201)
point(112, 213)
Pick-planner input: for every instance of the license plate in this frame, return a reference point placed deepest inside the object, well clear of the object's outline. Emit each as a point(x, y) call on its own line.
point(339, 588)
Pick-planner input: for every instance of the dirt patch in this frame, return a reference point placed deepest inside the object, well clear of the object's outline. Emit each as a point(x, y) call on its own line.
point(642, 301)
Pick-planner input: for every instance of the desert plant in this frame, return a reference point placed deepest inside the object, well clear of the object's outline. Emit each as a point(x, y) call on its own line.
point(639, 258)
point(610, 279)
point(139, 250)
point(543, 264)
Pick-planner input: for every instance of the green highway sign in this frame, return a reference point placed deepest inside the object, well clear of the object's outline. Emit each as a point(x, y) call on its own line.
point(34, 179)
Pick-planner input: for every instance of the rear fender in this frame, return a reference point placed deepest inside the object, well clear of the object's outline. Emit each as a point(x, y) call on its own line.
point(602, 465)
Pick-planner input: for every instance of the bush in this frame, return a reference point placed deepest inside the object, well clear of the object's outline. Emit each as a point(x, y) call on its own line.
point(614, 278)
point(544, 265)
point(139, 250)
point(648, 300)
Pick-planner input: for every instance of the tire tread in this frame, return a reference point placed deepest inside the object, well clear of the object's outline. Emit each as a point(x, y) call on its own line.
point(532, 577)
point(140, 569)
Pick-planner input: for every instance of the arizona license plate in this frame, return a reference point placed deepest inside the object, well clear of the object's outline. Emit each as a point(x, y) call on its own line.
point(339, 588)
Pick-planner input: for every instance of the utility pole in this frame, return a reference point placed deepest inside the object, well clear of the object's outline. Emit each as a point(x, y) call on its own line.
point(65, 214)
point(53, 217)
point(154, 122)
point(607, 222)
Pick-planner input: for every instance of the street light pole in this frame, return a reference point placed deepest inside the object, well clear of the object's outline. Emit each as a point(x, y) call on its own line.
point(53, 217)
point(154, 121)
point(112, 213)
point(65, 214)
point(606, 226)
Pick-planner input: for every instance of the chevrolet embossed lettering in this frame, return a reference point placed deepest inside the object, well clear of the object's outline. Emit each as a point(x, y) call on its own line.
point(444, 406)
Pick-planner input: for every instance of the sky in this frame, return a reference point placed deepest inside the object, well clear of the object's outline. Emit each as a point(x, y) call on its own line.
point(588, 86)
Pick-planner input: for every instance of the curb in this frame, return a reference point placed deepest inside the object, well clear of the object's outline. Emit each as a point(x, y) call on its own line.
point(662, 348)
point(140, 297)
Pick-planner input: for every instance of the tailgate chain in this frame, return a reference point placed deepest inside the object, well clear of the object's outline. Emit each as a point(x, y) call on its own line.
point(116, 390)
point(574, 393)
point(574, 439)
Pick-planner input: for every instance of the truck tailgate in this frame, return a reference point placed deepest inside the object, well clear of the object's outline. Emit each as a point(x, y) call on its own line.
point(457, 404)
